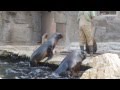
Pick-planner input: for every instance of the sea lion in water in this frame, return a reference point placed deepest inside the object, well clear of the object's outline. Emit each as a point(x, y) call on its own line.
point(71, 62)
point(45, 50)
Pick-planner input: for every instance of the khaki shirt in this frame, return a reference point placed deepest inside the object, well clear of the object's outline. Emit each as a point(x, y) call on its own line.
point(85, 17)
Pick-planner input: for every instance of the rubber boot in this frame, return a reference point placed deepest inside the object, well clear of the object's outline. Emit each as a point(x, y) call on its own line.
point(82, 49)
point(91, 50)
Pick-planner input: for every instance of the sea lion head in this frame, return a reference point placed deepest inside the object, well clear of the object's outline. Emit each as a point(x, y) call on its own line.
point(81, 54)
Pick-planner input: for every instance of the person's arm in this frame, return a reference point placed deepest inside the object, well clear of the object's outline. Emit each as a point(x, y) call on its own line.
point(93, 14)
point(78, 17)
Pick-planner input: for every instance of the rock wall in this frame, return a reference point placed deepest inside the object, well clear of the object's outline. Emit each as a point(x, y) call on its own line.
point(48, 23)
point(27, 27)
point(20, 27)
point(72, 27)
point(107, 28)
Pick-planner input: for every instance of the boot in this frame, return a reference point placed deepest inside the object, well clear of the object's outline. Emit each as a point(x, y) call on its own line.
point(82, 49)
point(91, 50)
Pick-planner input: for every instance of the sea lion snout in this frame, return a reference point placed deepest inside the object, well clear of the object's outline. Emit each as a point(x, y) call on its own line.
point(60, 36)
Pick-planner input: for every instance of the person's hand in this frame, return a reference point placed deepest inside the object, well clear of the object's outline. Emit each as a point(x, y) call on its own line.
point(78, 19)
point(92, 20)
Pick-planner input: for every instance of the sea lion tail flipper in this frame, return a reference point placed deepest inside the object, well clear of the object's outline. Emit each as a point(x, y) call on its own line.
point(48, 58)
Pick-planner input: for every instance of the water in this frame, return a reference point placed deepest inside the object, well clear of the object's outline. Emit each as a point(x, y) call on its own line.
point(21, 70)
point(13, 66)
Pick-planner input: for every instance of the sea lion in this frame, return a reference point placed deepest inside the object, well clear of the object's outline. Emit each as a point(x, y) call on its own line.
point(71, 62)
point(45, 50)
point(45, 38)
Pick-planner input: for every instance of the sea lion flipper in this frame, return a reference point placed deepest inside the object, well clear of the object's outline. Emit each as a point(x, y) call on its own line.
point(48, 58)
point(50, 53)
